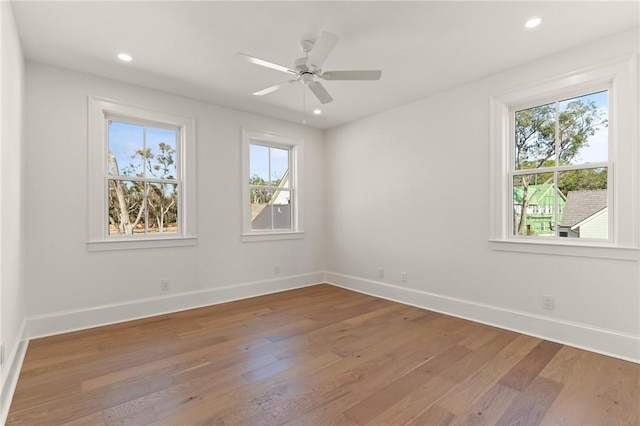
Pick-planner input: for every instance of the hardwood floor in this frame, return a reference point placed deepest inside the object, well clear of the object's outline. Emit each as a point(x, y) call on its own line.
point(316, 356)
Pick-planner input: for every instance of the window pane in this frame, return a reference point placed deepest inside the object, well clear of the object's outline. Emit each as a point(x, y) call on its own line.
point(162, 202)
point(281, 210)
point(535, 137)
point(583, 129)
point(279, 167)
point(126, 207)
point(161, 161)
point(126, 142)
point(534, 198)
point(585, 214)
point(270, 209)
point(258, 165)
point(261, 217)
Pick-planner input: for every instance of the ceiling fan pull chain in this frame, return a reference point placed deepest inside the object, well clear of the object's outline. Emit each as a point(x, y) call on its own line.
point(304, 104)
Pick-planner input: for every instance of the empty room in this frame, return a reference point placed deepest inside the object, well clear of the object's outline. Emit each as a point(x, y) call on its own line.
point(319, 212)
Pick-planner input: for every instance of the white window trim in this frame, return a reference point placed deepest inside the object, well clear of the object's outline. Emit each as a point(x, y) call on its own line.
point(99, 109)
point(621, 76)
point(295, 145)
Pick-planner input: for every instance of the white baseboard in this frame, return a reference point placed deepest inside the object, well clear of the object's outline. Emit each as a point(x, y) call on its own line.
point(607, 342)
point(13, 365)
point(63, 322)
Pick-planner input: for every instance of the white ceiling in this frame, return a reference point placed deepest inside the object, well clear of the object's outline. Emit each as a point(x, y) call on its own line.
point(423, 47)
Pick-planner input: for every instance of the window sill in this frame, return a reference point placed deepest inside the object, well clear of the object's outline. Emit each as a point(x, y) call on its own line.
point(594, 250)
point(136, 244)
point(271, 236)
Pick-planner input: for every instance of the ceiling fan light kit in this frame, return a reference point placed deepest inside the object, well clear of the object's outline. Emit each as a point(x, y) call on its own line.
point(309, 68)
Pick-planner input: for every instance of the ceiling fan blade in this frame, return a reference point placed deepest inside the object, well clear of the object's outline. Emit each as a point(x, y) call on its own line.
point(352, 75)
point(321, 49)
point(321, 93)
point(266, 64)
point(274, 88)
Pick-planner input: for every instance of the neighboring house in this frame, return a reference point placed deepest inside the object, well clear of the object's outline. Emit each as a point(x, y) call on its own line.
point(586, 215)
point(274, 215)
point(539, 219)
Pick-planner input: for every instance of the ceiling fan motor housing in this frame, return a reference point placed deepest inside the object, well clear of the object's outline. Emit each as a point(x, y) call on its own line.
point(307, 77)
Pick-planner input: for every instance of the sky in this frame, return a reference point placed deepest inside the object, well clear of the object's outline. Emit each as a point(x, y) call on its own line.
point(125, 139)
point(259, 162)
point(598, 149)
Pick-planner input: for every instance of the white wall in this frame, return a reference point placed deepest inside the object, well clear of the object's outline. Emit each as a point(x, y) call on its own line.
point(12, 307)
point(69, 287)
point(407, 191)
point(383, 192)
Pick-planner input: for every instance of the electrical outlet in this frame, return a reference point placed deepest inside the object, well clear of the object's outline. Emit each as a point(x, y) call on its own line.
point(403, 277)
point(380, 273)
point(548, 302)
point(164, 285)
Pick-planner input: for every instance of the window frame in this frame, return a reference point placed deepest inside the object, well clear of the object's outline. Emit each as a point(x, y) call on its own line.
point(102, 110)
point(620, 79)
point(295, 147)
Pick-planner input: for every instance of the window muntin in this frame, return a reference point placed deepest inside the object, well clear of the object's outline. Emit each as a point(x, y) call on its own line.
point(560, 159)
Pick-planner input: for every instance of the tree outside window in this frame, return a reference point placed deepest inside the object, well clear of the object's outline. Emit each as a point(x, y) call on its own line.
point(142, 179)
point(560, 162)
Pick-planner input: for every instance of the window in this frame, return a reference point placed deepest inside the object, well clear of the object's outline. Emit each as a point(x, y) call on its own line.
point(560, 156)
point(563, 165)
point(141, 171)
point(143, 178)
point(271, 195)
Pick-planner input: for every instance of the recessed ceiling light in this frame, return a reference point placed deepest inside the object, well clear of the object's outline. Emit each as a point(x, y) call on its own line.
point(317, 111)
point(533, 22)
point(124, 57)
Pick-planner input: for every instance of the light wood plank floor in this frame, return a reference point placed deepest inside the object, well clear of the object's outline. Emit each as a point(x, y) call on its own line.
point(317, 356)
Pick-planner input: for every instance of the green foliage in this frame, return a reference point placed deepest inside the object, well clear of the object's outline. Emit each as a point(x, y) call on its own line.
point(534, 136)
point(535, 133)
point(164, 160)
point(262, 195)
point(582, 180)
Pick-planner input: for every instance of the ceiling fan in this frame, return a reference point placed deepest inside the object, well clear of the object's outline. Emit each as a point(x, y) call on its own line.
point(309, 69)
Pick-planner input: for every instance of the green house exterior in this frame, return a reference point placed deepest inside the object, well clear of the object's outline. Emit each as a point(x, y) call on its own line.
point(540, 216)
